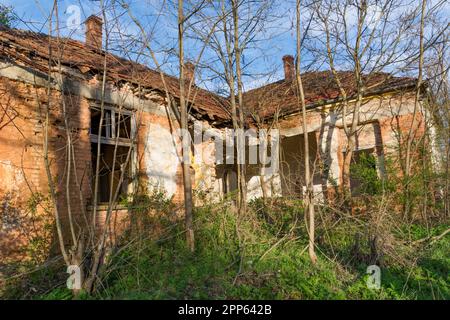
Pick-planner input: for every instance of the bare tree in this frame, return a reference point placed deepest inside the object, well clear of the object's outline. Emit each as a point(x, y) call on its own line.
point(364, 37)
point(309, 199)
point(88, 245)
point(437, 73)
point(187, 94)
point(187, 184)
point(240, 145)
point(240, 27)
point(410, 136)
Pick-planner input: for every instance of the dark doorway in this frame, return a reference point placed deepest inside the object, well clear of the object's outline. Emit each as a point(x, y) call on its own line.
point(293, 163)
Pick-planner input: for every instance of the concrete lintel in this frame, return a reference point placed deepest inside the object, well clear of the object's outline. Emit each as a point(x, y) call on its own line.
point(295, 131)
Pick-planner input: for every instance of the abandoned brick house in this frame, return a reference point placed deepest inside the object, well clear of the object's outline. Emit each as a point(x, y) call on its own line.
point(135, 98)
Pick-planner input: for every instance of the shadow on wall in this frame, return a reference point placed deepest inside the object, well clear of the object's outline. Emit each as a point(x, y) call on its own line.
point(27, 219)
point(26, 231)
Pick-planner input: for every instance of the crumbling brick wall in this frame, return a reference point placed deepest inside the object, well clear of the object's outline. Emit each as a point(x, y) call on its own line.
point(24, 183)
point(24, 188)
point(384, 123)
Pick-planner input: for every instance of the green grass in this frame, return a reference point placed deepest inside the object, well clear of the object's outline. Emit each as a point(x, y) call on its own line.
point(166, 270)
point(274, 264)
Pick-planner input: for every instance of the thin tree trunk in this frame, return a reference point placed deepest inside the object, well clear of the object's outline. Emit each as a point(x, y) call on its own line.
point(351, 144)
point(51, 183)
point(241, 137)
point(228, 66)
point(351, 134)
point(185, 141)
point(410, 137)
point(309, 199)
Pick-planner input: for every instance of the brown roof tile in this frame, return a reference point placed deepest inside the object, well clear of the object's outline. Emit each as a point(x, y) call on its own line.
point(280, 97)
point(25, 47)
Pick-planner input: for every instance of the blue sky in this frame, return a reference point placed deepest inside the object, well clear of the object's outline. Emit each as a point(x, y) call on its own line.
point(277, 39)
point(34, 14)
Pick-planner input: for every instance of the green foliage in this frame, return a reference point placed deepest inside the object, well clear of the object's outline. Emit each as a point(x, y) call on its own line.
point(279, 215)
point(167, 270)
point(35, 282)
point(155, 199)
point(273, 264)
point(6, 16)
point(365, 172)
point(57, 294)
point(40, 239)
point(260, 255)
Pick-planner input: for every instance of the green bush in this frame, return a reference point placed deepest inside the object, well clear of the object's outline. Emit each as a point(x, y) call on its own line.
point(262, 255)
point(269, 262)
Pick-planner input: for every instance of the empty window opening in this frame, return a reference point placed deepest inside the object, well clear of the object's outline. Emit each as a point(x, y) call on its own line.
point(230, 182)
point(116, 123)
point(110, 171)
point(364, 177)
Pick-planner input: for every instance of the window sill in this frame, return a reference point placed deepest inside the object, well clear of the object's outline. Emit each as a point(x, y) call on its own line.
point(104, 207)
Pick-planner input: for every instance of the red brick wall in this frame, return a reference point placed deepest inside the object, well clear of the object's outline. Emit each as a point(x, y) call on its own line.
point(22, 167)
point(22, 170)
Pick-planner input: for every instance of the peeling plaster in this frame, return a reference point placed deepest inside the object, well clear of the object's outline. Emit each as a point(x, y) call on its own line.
point(11, 176)
point(329, 147)
point(161, 160)
point(273, 185)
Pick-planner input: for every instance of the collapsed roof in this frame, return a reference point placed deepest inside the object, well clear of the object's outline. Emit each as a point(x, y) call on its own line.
point(319, 88)
point(31, 49)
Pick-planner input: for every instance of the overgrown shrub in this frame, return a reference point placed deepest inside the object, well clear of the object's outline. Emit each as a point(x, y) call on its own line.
point(262, 255)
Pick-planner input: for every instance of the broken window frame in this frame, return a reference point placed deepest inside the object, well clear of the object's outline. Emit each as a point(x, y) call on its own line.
point(110, 125)
point(110, 137)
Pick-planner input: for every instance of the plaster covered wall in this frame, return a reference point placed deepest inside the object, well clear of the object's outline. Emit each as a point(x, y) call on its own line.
point(329, 148)
point(272, 183)
point(161, 159)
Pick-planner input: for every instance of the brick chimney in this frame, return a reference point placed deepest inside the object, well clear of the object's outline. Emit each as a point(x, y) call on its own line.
point(189, 73)
point(94, 32)
point(289, 70)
